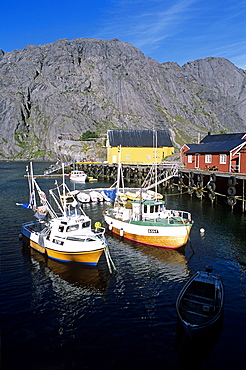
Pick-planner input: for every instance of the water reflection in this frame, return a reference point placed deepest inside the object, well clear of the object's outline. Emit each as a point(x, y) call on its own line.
point(168, 263)
point(88, 278)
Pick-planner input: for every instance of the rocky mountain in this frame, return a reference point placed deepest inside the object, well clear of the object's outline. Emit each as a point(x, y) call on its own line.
point(69, 87)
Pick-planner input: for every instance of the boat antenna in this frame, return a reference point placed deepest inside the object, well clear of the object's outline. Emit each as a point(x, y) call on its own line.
point(63, 187)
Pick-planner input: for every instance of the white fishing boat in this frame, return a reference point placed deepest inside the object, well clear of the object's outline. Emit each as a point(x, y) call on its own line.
point(66, 236)
point(96, 196)
point(78, 176)
point(83, 197)
point(200, 302)
point(147, 221)
point(106, 198)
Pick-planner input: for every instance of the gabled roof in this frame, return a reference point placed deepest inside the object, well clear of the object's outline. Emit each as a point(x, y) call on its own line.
point(139, 138)
point(214, 147)
point(223, 137)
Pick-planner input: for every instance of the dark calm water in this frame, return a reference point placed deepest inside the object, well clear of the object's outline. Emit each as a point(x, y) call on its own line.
point(56, 316)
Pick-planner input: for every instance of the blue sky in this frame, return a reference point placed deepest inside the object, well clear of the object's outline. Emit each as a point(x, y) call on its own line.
point(166, 30)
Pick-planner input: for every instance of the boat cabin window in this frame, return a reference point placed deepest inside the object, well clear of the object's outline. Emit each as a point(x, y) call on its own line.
point(61, 229)
point(72, 228)
point(152, 208)
point(86, 224)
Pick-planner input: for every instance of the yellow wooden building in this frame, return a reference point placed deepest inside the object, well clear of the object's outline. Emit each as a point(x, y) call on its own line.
point(138, 146)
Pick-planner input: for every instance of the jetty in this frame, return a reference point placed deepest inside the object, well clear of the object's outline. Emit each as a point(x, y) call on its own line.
point(171, 176)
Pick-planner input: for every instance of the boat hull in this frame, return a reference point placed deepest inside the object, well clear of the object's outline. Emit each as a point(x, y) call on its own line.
point(81, 180)
point(172, 237)
point(88, 257)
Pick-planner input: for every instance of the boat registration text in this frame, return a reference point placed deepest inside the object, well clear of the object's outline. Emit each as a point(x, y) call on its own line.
point(153, 231)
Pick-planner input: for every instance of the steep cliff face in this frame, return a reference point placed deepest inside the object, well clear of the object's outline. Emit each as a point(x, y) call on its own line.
point(89, 84)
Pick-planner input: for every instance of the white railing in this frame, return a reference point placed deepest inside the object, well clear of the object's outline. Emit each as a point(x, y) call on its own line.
point(56, 167)
point(170, 172)
point(235, 168)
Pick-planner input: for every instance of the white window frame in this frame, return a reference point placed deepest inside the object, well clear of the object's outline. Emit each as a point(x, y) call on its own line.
point(189, 160)
point(223, 158)
point(208, 158)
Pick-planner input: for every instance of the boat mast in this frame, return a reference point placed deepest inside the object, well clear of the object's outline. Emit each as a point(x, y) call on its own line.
point(32, 188)
point(156, 163)
point(63, 190)
point(155, 159)
point(119, 173)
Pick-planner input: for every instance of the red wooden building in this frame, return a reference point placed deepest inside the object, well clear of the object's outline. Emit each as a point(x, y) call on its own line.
point(224, 152)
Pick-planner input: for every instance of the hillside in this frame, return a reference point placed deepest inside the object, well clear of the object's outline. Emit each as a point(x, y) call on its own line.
point(69, 87)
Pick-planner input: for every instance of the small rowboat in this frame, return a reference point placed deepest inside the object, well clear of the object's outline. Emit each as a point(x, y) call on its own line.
point(200, 302)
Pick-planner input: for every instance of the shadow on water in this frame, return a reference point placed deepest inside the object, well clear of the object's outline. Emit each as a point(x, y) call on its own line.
point(194, 353)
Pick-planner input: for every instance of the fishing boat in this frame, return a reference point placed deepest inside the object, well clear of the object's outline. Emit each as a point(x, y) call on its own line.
point(78, 176)
point(146, 195)
point(83, 197)
point(96, 196)
point(147, 220)
point(200, 302)
point(66, 236)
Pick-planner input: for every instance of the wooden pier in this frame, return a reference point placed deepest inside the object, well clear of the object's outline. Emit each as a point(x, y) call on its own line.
point(230, 187)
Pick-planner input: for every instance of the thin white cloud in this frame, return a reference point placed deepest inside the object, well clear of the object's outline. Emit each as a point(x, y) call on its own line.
point(148, 25)
point(179, 30)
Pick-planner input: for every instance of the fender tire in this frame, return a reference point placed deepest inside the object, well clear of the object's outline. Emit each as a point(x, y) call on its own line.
point(191, 182)
point(190, 190)
point(199, 177)
point(199, 194)
point(212, 186)
point(231, 201)
point(231, 190)
point(232, 181)
point(212, 196)
point(199, 184)
point(213, 177)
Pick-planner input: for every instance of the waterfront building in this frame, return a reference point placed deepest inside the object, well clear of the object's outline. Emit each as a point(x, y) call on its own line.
point(138, 146)
point(222, 152)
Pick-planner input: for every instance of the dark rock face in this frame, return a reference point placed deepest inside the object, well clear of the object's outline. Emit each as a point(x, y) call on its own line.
point(90, 84)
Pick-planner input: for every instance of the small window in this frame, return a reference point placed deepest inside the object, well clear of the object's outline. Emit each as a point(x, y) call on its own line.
point(59, 242)
point(208, 158)
point(222, 158)
point(86, 224)
point(72, 228)
point(128, 156)
point(189, 158)
point(148, 156)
